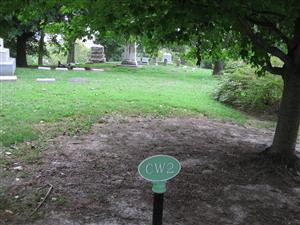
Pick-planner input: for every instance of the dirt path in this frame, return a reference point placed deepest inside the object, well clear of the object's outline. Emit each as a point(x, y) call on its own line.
point(95, 176)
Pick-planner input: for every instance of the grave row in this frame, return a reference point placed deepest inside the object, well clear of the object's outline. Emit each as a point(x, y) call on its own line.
point(73, 69)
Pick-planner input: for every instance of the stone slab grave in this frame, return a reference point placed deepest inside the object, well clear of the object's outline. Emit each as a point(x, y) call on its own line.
point(7, 64)
point(78, 80)
point(167, 58)
point(97, 70)
point(78, 69)
point(45, 80)
point(8, 78)
point(129, 55)
point(97, 54)
point(44, 68)
point(61, 69)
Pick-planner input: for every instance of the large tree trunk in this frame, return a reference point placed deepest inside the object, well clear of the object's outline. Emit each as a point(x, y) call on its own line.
point(286, 134)
point(71, 53)
point(218, 67)
point(21, 59)
point(41, 48)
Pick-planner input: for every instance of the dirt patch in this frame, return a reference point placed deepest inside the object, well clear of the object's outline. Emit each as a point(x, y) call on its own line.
point(95, 176)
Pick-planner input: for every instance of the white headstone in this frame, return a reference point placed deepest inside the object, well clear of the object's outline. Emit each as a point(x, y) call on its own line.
point(145, 60)
point(78, 69)
point(62, 69)
point(129, 55)
point(7, 64)
point(44, 68)
point(8, 78)
point(97, 70)
point(45, 80)
point(167, 57)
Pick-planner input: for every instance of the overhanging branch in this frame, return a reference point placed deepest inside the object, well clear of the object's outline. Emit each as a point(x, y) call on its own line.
point(273, 69)
point(271, 26)
point(258, 40)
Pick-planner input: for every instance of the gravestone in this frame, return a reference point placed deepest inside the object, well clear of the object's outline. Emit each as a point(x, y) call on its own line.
point(78, 69)
point(167, 58)
point(45, 80)
point(97, 70)
point(97, 54)
point(61, 68)
point(44, 68)
point(145, 60)
point(7, 64)
point(129, 55)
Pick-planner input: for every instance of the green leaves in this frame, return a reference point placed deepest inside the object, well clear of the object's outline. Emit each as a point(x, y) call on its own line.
point(243, 89)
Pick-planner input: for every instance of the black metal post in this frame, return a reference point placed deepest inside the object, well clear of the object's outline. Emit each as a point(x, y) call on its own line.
point(158, 205)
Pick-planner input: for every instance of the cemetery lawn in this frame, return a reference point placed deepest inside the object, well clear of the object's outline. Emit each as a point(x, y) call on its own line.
point(32, 110)
point(85, 134)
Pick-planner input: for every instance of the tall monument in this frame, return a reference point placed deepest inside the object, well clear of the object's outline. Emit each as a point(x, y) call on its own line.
point(7, 64)
point(129, 55)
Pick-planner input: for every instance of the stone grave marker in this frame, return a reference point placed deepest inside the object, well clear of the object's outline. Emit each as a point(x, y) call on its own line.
point(78, 69)
point(145, 60)
point(97, 70)
point(44, 68)
point(97, 54)
point(129, 55)
point(7, 64)
point(45, 80)
point(61, 69)
point(167, 58)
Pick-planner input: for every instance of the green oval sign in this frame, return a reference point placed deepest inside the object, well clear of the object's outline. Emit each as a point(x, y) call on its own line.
point(159, 168)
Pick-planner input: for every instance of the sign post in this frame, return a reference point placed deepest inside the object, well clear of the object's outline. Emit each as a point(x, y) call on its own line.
point(159, 169)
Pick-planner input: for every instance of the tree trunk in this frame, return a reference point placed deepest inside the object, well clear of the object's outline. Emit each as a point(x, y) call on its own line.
point(198, 55)
point(21, 59)
point(286, 134)
point(218, 67)
point(41, 48)
point(71, 53)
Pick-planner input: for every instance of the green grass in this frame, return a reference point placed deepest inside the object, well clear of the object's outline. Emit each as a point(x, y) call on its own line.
point(29, 109)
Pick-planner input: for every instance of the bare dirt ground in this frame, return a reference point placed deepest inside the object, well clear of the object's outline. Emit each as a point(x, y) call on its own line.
point(96, 182)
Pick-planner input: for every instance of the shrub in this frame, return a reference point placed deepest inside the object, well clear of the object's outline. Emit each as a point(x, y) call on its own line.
point(245, 90)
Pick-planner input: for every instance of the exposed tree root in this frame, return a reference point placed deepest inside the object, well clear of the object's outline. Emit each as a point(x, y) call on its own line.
point(286, 161)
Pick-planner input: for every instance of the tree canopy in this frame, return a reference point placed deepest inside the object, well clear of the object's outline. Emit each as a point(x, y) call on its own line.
point(257, 30)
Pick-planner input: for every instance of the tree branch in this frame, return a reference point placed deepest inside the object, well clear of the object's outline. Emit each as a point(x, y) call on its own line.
point(273, 69)
point(257, 39)
point(271, 26)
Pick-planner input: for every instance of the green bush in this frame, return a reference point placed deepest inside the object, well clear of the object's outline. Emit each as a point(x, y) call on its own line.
point(247, 91)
